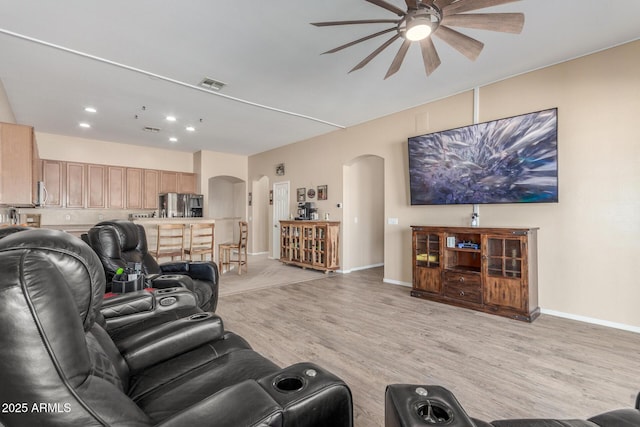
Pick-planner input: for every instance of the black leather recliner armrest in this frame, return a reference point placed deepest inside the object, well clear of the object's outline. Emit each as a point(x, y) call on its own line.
point(200, 270)
point(167, 340)
point(302, 388)
point(244, 404)
point(126, 304)
point(125, 314)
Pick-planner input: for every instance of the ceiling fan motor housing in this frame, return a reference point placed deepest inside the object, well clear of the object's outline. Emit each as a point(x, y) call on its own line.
point(423, 14)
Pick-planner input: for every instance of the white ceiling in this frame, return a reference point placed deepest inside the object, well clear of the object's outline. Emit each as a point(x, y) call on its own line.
point(121, 55)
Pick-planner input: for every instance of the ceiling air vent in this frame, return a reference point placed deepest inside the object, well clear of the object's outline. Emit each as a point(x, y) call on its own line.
point(211, 84)
point(150, 129)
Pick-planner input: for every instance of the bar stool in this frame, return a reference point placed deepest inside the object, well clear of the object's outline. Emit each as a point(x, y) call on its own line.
point(170, 242)
point(226, 250)
point(201, 240)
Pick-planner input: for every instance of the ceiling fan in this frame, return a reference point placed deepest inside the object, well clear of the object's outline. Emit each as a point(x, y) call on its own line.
point(433, 17)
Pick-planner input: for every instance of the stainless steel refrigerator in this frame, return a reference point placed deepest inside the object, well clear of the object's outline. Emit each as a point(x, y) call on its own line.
point(179, 205)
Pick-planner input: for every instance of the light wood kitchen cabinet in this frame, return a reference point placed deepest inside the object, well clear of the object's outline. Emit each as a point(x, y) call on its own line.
point(168, 182)
point(16, 164)
point(75, 185)
point(134, 179)
point(151, 187)
point(53, 178)
point(116, 187)
point(86, 185)
point(186, 182)
point(96, 188)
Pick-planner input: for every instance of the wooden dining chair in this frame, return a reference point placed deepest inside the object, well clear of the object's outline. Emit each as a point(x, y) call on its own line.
point(170, 242)
point(226, 251)
point(201, 240)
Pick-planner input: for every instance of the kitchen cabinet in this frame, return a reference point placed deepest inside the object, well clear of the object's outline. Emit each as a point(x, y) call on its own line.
point(116, 187)
point(17, 152)
point(168, 182)
point(134, 180)
point(151, 187)
point(75, 185)
point(96, 186)
point(53, 178)
point(186, 182)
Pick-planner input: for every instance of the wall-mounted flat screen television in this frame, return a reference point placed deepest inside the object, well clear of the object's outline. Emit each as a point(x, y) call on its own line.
point(511, 160)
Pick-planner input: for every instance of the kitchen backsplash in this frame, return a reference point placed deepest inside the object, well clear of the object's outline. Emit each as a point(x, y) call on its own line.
point(52, 216)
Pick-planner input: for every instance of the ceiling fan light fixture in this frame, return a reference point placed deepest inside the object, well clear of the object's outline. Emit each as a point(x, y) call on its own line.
point(420, 23)
point(418, 29)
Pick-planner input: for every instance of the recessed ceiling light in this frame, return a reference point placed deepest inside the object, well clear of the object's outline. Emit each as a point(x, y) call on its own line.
point(85, 125)
point(171, 118)
point(90, 110)
point(190, 129)
point(173, 139)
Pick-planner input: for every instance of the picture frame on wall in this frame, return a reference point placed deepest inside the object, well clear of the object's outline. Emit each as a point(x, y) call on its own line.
point(301, 194)
point(280, 169)
point(322, 192)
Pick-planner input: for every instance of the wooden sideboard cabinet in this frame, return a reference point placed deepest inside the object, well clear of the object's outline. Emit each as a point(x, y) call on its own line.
point(494, 270)
point(310, 244)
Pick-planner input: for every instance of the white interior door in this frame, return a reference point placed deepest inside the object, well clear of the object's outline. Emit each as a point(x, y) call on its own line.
point(280, 211)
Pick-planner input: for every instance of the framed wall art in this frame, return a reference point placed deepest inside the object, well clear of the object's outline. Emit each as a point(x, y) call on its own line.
point(322, 192)
point(302, 194)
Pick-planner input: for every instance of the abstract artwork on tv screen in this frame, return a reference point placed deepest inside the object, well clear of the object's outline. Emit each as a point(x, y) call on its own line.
point(512, 160)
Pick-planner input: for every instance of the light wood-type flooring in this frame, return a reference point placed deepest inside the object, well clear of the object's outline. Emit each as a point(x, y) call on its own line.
point(372, 334)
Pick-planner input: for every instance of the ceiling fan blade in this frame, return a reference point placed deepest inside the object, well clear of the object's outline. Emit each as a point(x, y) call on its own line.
point(503, 22)
point(375, 53)
point(397, 61)
point(430, 56)
point(443, 3)
point(360, 21)
point(462, 6)
point(383, 4)
point(412, 4)
point(370, 36)
point(467, 46)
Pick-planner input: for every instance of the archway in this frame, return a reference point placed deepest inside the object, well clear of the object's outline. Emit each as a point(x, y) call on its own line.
point(363, 215)
point(227, 206)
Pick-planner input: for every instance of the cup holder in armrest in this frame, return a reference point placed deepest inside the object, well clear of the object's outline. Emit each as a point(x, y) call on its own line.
point(288, 384)
point(412, 405)
point(433, 412)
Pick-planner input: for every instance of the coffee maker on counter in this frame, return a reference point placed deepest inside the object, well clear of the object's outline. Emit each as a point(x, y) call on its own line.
point(307, 211)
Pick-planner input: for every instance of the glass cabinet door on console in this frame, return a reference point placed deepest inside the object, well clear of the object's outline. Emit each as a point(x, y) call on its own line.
point(427, 265)
point(504, 268)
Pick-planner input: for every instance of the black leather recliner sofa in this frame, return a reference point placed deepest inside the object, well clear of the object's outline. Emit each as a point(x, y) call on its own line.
point(59, 367)
point(411, 405)
point(119, 242)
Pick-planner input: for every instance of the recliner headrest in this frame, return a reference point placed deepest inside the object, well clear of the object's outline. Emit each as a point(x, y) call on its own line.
point(127, 233)
point(48, 257)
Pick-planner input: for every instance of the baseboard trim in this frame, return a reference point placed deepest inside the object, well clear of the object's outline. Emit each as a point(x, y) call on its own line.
point(398, 283)
point(591, 320)
point(366, 267)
